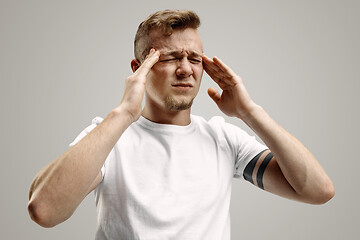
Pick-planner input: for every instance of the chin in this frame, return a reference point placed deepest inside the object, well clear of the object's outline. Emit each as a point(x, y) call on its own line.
point(178, 105)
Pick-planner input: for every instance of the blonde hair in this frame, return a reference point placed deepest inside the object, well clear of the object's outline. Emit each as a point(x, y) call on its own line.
point(166, 21)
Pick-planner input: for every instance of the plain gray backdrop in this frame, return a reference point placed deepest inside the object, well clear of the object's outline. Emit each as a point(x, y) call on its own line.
point(64, 62)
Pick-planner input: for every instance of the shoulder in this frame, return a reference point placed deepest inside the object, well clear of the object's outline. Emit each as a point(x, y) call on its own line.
point(215, 122)
point(218, 128)
point(94, 123)
point(234, 135)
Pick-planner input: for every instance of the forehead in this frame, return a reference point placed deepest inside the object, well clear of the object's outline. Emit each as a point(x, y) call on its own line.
point(188, 40)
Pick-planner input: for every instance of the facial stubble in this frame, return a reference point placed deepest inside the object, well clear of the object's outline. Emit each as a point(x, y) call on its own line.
point(175, 105)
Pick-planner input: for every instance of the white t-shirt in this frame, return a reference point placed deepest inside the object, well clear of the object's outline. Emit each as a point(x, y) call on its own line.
point(171, 182)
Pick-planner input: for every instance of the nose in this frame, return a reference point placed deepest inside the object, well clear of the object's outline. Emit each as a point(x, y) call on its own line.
point(184, 68)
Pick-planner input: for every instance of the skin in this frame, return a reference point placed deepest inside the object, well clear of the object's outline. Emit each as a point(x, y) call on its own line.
point(174, 80)
point(171, 74)
point(293, 172)
point(59, 188)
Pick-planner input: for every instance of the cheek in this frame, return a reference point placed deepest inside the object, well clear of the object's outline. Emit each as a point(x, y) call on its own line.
point(155, 81)
point(150, 84)
point(156, 73)
point(198, 71)
point(161, 75)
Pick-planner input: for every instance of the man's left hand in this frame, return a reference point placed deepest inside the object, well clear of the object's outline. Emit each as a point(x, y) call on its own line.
point(234, 99)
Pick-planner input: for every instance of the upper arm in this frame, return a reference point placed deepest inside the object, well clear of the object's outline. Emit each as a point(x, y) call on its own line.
point(264, 172)
point(95, 183)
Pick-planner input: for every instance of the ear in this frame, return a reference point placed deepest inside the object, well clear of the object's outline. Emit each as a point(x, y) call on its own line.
point(135, 64)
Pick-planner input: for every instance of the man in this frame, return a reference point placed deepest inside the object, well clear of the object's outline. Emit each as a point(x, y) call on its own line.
point(162, 173)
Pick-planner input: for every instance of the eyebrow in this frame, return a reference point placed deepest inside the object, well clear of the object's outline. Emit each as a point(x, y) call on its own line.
point(178, 52)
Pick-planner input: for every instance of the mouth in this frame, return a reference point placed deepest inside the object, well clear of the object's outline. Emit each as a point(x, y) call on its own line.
point(182, 86)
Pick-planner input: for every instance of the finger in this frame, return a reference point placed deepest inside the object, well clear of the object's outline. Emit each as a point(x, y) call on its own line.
point(213, 74)
point(217, 78)
point(206, 59)
point(226, 69)
point(219, 72)
point(150, 59)
point(214, 71)
point(149, 62)
point(211, 66)
point(229, 77)
point(214, 94)
point(218, 69)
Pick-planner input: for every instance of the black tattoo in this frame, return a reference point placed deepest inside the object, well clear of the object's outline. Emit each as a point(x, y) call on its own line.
point(250, 167)
point(260, 172)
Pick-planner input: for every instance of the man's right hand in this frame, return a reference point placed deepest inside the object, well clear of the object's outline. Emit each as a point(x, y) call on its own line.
point(135, 85)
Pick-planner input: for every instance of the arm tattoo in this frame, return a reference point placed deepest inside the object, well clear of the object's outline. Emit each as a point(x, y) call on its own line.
point(260, 173)
point(250, 168)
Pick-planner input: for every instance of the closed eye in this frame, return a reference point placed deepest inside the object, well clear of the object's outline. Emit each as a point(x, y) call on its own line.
point(168, 60)
point(192, 60)
point(195, 60)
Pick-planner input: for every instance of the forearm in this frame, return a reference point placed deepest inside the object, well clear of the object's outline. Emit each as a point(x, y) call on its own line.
point(293, 172)
point(300, 168)
point(61, 186)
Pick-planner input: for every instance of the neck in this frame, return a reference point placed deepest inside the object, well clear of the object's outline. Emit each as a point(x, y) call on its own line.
point(157, 115)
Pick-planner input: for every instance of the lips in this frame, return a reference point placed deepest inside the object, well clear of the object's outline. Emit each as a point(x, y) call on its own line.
point(182, 85)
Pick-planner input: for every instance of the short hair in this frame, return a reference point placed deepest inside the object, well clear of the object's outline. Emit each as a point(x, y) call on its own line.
point(166, 21)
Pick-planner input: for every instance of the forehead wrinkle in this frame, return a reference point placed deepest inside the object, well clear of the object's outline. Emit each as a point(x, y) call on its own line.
point(180, 52)
point(182, 39)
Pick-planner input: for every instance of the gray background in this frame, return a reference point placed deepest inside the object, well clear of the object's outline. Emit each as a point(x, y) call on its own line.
point(64, 62)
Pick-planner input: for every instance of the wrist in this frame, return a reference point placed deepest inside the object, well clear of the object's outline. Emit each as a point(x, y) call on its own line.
point(120, 113)
point(252, 114)
point(248, 110)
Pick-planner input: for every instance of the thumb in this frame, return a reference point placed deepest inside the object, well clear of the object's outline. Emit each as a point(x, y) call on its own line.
point(214, 94)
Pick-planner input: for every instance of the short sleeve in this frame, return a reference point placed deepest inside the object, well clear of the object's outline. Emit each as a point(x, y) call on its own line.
point(244, 146)
point(96, 121)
